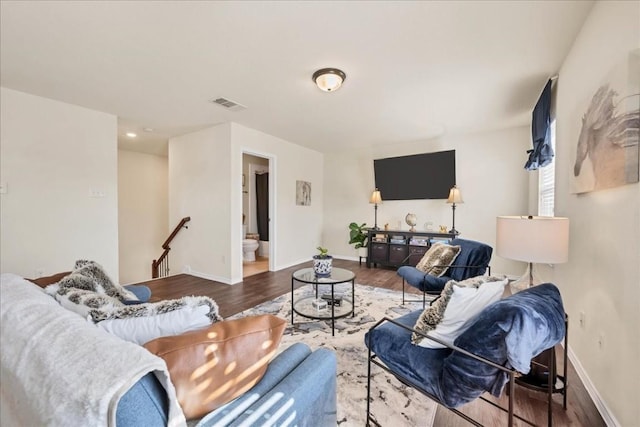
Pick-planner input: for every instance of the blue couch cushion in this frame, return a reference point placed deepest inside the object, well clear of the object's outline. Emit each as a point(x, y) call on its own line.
point(509, 332)
point(284, 393)
point(145, 404)
point(143, 293)
point(277, 370)
point(420, 280)
point(411, 275)
point(471, 253)
point(433, 284)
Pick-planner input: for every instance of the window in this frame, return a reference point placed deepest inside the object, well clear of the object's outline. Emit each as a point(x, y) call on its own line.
point(547, 180)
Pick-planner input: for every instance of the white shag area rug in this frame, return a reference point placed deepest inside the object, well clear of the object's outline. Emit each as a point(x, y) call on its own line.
point(392, 403)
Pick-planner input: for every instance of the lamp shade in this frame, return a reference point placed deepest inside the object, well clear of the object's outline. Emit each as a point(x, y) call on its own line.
point(533, 239)
point(376, 197)
point(454, 195)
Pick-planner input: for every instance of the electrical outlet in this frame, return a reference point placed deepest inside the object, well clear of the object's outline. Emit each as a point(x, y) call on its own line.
point(583, 320)
point(223, 259)
point(4, 188)
point(96, 193)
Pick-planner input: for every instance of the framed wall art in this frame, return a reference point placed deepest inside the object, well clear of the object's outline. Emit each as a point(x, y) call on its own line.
point(303, 193)
point(606, 154)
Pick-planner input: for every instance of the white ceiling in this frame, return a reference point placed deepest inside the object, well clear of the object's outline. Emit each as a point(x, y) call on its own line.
point(414, 69)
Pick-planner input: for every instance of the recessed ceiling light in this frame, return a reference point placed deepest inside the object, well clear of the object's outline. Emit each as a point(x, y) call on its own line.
point(131, 134)
point(148, 129)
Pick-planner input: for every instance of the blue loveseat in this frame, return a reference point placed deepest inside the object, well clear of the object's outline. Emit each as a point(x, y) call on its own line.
point(59, 369)
point(299, 387)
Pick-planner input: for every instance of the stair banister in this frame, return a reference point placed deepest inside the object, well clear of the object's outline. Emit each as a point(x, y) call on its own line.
point(161, 265)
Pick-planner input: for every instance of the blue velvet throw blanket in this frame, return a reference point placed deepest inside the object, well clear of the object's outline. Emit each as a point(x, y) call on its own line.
point(509, 332)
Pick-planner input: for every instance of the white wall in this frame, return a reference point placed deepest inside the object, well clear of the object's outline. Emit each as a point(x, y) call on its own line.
point(205, 182)
point(199, 187)
point(297, 230)
point(53, 155)
point(602, 277)
point(489, 173)
point(143, 211)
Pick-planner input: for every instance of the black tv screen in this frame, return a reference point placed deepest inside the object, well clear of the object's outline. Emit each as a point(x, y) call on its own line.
point(421, 176)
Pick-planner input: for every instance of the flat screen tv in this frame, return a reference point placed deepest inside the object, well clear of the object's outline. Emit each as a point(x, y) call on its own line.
point(420, 176)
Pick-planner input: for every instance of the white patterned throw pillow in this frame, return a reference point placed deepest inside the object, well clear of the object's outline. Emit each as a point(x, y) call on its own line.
point(448, 316)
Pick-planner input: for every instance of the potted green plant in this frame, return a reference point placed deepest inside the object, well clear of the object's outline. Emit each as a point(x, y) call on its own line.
point(322, 262)
point(358, 237)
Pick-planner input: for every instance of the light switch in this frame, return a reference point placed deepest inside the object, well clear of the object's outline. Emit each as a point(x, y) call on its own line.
point(4, 188)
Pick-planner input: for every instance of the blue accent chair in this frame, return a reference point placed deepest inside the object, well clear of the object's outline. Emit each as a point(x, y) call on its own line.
point(472, 261)
point(499, 343)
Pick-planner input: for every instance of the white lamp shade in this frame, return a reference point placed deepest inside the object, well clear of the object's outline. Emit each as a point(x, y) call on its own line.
point(376, 197)
point(454, 195)
point(541, 240)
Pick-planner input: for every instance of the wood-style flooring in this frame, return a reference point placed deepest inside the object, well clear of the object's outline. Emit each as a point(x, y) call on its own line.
point(250, 268)
point(262, 287)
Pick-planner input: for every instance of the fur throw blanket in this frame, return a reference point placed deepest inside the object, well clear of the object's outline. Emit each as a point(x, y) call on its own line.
point(90, 292)
point(90, 276)
point(152, 309)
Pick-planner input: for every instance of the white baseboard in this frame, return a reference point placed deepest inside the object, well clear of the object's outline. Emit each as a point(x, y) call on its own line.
point(224, 280)
point(293, 263)
point(149, 280)
point(605, 412)
point(347, 258)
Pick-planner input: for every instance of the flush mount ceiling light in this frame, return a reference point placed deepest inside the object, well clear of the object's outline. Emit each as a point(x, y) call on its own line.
point(131, 134)
point(329, 79)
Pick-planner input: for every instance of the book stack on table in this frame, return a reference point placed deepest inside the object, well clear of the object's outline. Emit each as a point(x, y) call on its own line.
point(337, 300)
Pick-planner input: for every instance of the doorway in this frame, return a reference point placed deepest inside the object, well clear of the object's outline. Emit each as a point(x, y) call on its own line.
point(256, 201)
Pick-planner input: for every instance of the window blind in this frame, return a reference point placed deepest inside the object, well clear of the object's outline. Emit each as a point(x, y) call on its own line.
point(547, 180)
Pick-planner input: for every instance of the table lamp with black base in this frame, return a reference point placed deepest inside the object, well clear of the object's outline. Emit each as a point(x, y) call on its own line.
point(454, 197)
point(375, 199)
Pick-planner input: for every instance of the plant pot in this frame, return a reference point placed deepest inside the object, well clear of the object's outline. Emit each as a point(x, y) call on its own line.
point(362, 252)
point(322, 266)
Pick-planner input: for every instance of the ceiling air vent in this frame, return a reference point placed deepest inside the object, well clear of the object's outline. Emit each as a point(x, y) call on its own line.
point(229, 105)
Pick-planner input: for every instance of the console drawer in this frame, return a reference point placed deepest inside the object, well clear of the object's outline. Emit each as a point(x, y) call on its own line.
point(397, 253)
point(379, 252)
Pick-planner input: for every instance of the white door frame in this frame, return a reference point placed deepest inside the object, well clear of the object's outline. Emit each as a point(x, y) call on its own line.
point(272, 200)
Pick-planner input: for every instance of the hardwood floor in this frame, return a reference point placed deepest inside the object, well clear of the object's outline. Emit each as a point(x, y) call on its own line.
point(265, 286)
point(250, 268)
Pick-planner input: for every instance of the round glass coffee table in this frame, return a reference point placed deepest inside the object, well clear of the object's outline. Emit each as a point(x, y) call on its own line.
point(324, 302)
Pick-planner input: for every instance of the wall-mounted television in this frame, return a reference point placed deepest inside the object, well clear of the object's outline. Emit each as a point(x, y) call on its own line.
point(420, 176)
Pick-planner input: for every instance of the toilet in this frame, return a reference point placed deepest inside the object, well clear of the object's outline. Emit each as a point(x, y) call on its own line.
point(249, 246)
